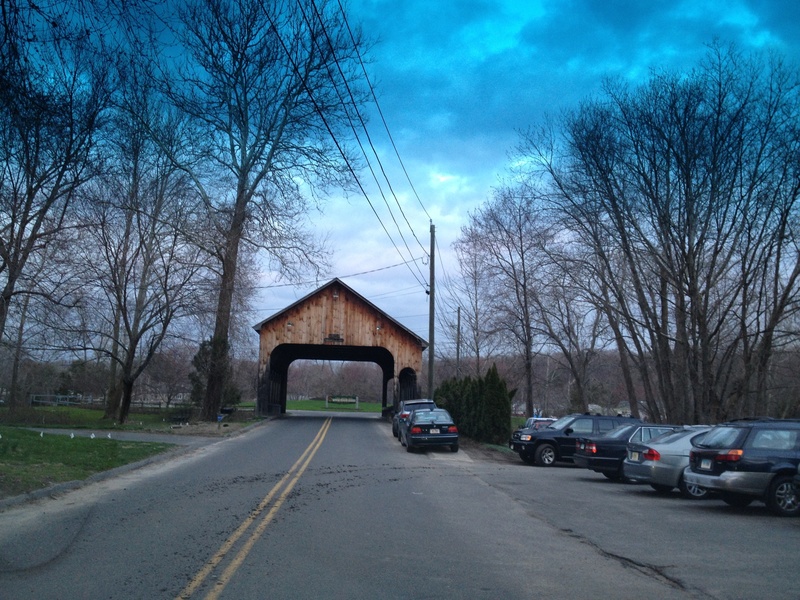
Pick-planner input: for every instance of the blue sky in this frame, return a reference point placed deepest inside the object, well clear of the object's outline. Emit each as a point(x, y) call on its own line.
point(457, 80)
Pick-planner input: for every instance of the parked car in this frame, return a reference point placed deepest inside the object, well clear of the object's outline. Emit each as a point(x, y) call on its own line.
point(661, 462)
point(429, 427)
point(750, 460)
point(605, 454)
point(404, 409)
point(556, 441)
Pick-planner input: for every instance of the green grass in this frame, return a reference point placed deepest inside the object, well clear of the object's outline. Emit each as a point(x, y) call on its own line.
point(83, 418)
point(30, 461)
point(319, 404)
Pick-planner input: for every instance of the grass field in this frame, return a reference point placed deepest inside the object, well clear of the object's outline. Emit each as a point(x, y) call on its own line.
point(31, 460)
point(83, 418)
point(318, 404)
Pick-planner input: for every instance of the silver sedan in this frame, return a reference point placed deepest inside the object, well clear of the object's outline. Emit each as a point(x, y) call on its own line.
point(661, 461)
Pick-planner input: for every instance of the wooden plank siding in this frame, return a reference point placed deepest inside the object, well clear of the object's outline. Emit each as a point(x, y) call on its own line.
point(336, 315)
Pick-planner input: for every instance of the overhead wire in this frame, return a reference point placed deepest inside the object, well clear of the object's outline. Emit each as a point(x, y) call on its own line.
point(383, 119)
point(331, 133)
point(353, 103)
point(340, 149)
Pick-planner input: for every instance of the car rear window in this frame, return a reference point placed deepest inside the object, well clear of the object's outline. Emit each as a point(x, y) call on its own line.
point(620, 432)
point(722, 437)
point(433, 416)
point(409, 406)
point(673, 437)
point(651, 433)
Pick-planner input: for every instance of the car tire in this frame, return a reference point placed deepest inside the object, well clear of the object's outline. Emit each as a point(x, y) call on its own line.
point(783, 497)
point(454, 448)
point(611, 476)
point(736, 500)
point(545, 455)
point(400, 439)
point(660, 488)
point(408, 447)
point(691, 491)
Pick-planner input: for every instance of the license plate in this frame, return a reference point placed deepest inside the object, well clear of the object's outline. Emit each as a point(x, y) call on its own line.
point(434, 431)
point(705, 464)
point(634, 456)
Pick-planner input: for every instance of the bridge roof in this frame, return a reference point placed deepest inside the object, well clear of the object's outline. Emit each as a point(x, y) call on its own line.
point(338, 282)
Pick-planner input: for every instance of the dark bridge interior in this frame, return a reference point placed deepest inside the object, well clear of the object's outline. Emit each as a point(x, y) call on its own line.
point(273, 386)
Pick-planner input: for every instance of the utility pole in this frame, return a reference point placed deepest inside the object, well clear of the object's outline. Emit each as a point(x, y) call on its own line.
point(431, 319)
point(458, 344)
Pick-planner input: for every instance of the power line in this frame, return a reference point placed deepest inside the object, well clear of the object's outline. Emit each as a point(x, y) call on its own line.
point(331, 133)
point(383, 119)
point(354, 104)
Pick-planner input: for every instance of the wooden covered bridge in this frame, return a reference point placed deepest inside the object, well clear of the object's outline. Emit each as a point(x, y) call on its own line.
point(335, 323)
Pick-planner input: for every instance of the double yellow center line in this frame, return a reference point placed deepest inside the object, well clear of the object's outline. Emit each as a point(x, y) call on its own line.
point(286, 483)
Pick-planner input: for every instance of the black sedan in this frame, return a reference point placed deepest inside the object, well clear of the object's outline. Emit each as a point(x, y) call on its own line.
point(429, 427)
point(605, 454)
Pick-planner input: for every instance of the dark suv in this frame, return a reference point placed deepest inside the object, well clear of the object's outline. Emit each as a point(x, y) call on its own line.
point(750, 460)
point(555, 442)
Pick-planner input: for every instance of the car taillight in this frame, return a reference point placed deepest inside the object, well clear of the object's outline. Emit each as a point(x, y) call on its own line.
point(591, 448)
point(729, 456)
point(416, 429)
point(651, 454)
point(452, 429)
point(404, 414)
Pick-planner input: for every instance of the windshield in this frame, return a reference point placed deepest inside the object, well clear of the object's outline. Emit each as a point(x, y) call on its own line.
point(562, 422)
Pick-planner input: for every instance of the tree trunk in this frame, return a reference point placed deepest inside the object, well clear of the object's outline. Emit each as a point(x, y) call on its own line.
point(218, 363)
point(126, 388)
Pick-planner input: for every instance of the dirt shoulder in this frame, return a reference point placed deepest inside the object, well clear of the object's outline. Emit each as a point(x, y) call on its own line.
point(487, 452)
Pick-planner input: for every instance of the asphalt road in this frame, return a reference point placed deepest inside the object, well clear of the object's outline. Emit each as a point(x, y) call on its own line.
point(307, 507)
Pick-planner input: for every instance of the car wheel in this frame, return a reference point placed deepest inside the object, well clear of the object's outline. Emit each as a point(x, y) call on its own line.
point(691, 491)
point(737, 500)
point(783, 497)
point(408, 447)
point(661, 489)
point(611, 476)
point(454, 448)
point(400, 439)
point(394, 432)
point(545, 455)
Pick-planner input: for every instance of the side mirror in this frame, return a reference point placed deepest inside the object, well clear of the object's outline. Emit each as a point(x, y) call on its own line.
point(568, 430)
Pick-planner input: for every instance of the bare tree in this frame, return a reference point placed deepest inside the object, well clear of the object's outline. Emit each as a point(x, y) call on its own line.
point(264, 85)
point(685, 191)
point(54, 90)
point(504, 231)
point(143, 264)
point(565, 315)
point(471, 293)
